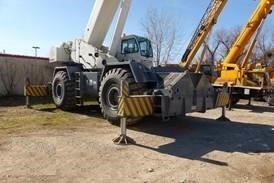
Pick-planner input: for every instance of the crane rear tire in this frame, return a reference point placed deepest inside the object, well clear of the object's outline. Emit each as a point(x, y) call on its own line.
point(63, 91)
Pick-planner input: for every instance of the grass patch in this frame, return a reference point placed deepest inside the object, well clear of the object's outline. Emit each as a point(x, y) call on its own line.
point(41, 115)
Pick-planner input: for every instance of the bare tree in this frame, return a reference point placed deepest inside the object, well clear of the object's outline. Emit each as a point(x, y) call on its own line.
point(218, 45)
point(226, 38)
point(212, 49)
point(223, 39)
point(264, 46)
point(161, 30)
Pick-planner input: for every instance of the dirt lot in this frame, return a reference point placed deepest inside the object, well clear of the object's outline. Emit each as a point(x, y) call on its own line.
point(47, 145)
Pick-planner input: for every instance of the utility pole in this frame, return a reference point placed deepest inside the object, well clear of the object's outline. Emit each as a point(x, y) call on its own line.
point(35, 49)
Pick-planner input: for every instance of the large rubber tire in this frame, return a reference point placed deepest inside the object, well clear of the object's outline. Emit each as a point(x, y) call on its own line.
point(109, 91)
point(63, 91)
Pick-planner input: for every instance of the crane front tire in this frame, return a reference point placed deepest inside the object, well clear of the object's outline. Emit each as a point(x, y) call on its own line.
point(109, 92)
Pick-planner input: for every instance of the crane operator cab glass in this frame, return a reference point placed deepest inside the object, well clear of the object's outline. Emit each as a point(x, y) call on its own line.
point(136, 48)
point(210, 71)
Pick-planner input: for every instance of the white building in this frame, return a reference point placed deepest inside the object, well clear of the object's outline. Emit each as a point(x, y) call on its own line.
point(14, 69)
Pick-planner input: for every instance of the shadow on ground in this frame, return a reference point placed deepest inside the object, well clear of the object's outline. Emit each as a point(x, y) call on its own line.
point(254, 108)
point(92, 109)
point(14, 101)
point(195, 137)
point(88, 110)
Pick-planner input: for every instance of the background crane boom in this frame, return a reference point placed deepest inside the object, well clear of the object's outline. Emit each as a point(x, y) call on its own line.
point(208, 20)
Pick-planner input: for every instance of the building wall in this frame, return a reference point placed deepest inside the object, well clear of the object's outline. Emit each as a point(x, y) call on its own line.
point(14, 69)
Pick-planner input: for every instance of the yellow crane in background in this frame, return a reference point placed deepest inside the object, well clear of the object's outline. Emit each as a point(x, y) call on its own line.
point(245, 84)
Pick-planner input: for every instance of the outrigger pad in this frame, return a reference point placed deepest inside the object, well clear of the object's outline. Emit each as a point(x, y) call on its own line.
point(123, 140)
point(223, 118)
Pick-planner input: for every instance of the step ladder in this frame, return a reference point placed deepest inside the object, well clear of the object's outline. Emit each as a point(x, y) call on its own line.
point(79, 89)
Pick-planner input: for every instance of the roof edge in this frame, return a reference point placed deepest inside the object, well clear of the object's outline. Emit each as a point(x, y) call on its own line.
point(23, 56)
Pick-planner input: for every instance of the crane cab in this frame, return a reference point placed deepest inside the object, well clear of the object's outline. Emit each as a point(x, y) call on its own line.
point(136, 48)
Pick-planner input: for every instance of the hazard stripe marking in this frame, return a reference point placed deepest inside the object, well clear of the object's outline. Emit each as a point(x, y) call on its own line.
point(138, 107)
point(135, 107)
point(36, 90)
point(146, 112)
point(222, 99)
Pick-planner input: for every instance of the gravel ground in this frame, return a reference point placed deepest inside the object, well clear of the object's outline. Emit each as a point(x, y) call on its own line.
point(193, 149)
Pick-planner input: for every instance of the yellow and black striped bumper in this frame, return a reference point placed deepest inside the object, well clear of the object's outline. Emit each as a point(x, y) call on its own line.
point(36, 90)
point(135, 106)
point(222, 99)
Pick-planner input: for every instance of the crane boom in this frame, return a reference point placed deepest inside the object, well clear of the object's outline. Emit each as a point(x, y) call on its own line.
point(116, 38)
point(100, 21)
point(261, 12)
point(251, 47)
point(208, 20)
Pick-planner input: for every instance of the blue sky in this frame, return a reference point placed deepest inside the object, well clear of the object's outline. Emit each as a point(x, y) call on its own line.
point(45, 23)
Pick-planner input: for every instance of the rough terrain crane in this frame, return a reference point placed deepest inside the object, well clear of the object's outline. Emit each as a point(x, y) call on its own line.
point(88, 69)
point(249, 83)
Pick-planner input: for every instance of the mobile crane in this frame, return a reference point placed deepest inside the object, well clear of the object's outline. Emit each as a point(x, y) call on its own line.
point(245, 84)
point(88, 69)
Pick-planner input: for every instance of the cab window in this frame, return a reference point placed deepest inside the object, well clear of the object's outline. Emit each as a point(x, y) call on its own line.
point(129, 46)
point(145, 48)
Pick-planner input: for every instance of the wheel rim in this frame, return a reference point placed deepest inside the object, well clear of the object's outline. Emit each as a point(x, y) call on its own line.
point(58, 91)
point(112, 97)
